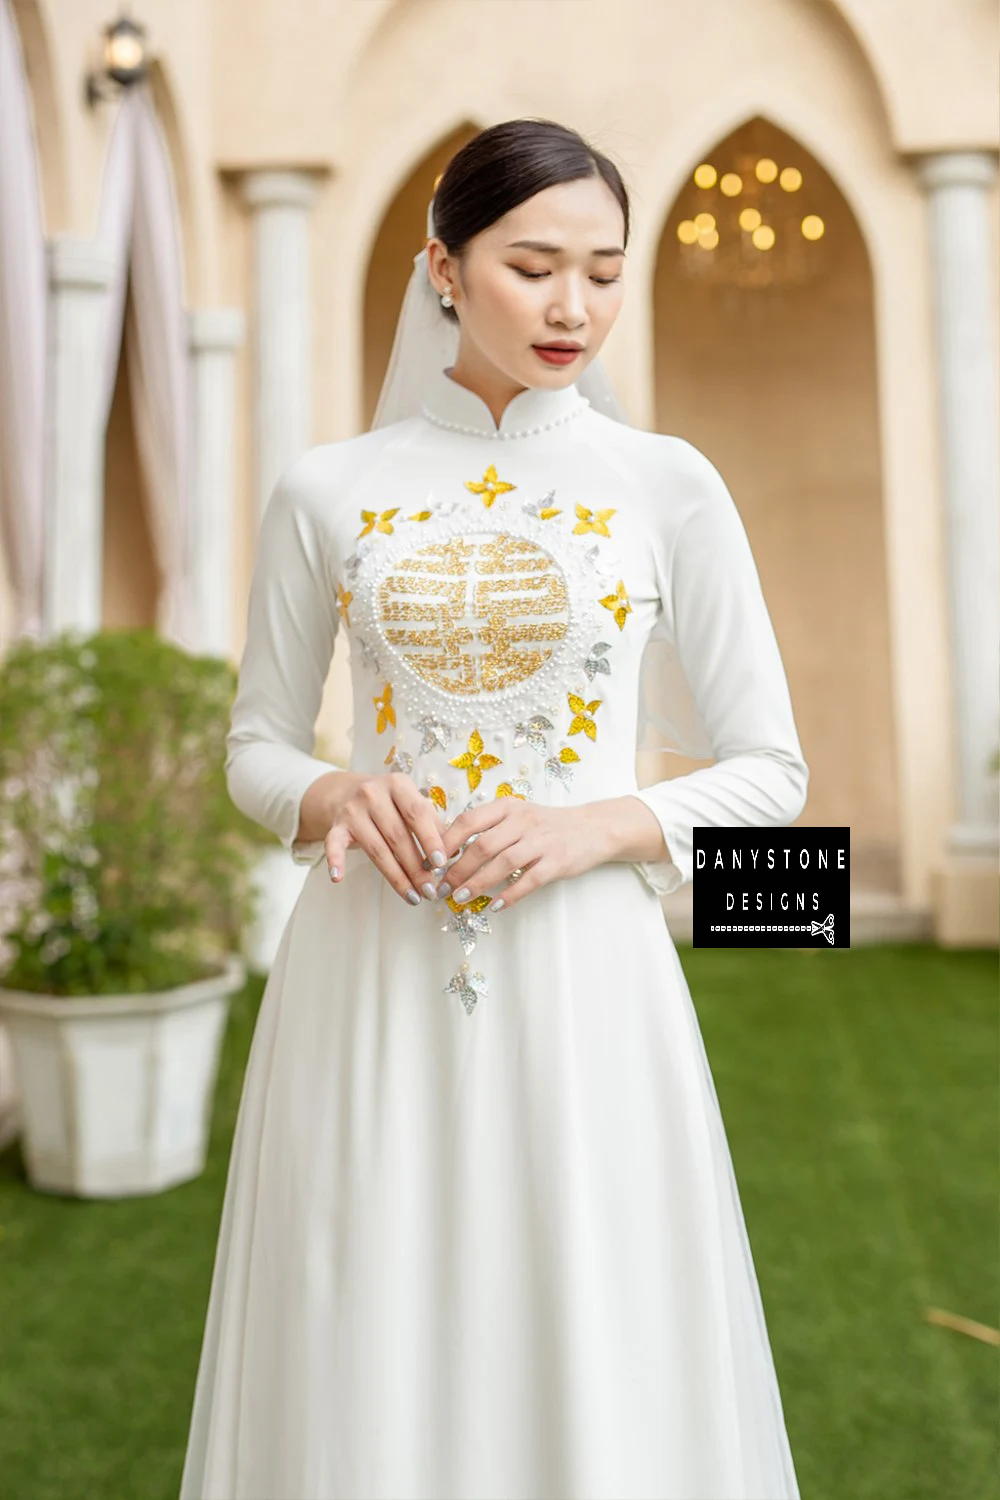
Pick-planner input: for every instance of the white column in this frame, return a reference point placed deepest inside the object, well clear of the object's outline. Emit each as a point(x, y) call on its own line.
point(956, 184)
point(214, 335)
point(80, 272)
point(282, 322)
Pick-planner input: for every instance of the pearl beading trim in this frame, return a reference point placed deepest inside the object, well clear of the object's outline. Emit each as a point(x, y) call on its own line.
point(590, 571)
point(515, 432)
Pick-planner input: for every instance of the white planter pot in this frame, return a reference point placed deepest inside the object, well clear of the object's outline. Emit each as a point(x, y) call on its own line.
point(10, 1099)
point(117, 1090)
point(277, 884)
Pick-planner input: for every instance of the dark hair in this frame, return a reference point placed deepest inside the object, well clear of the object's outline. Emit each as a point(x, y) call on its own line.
point(505, 165)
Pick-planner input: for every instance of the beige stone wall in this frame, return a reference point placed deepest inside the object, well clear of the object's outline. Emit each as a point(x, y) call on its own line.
point(823, 420)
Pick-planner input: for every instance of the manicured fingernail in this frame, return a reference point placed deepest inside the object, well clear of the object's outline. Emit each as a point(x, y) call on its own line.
point(412, 897)
point(496, 905)
point(444, 889)
point(429, 891)
point(334, 872)
point(463, 894)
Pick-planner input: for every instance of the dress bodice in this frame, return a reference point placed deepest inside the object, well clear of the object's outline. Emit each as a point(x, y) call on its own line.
point(498, 584)
point(496, 632)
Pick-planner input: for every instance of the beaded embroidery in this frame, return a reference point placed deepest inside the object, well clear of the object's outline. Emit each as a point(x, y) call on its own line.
point(489, 487)
point(377, 522)
point(490, 622)
point(344, 597)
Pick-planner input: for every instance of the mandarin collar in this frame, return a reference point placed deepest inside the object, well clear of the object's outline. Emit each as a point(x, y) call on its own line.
point(533, 410)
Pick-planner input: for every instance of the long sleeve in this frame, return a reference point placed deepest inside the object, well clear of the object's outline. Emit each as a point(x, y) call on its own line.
point(291, 628)
point(725, 642)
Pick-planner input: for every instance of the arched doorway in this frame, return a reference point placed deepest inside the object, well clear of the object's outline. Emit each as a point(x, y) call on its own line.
point(130, 584)
point(765, 359)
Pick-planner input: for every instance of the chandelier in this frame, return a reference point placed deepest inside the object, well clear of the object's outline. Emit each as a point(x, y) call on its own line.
point(745, 225)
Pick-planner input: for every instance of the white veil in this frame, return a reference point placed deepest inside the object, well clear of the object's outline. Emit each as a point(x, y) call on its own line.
point(426, 342)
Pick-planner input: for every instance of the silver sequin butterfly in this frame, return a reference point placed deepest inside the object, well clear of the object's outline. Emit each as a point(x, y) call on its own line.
point(468, 987)
point(468, 924)
point(530, 732)
point(595, 661)
point(435, 732)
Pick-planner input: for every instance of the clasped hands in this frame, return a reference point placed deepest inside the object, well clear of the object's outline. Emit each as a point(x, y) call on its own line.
point(403, 833)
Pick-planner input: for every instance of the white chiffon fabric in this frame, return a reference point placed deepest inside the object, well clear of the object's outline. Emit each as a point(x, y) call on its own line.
point(488, 1245)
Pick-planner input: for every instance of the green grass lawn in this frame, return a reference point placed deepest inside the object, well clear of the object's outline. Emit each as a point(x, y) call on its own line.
point(859, 1091)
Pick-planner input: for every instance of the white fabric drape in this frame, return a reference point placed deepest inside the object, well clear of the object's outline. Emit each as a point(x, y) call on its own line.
point(139, 224)
point(22, 337)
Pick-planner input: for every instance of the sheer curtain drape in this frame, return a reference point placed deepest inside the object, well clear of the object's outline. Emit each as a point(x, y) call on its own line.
point(138, 222)
point(22, 338)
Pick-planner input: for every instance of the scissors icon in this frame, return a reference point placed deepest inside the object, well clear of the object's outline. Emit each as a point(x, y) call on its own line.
point(824, 929)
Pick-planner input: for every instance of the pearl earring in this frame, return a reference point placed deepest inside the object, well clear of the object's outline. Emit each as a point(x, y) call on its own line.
point(446, 299)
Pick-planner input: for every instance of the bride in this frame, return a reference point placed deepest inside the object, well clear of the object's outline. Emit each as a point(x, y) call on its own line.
point(481, 1237)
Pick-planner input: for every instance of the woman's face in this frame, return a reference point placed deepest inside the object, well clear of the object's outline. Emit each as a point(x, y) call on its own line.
point(549, 271)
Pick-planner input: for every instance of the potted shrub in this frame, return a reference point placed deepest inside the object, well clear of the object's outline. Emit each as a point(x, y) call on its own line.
point(124, 893)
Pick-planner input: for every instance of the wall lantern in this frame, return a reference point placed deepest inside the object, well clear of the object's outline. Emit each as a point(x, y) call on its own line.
point(124, 61)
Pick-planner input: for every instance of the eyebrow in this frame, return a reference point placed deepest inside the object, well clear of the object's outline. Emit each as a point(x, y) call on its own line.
point(546, 249)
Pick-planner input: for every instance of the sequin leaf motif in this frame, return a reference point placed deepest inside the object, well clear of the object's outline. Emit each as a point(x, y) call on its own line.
point(399, 760)
point(438, 796)
point(368, 657)
point(435, 733)
point(386, 712)
point(596, 661)
point(489, 487)
point(519, 788)
point(356, 558)
point(542, 510)
point(592, 520)
point(420, 515)
point(468, 987)
point(344, 597)
point(378, 521)
point(475, 760)
point(530, 732)
point(618, 603)
point(560, 767)
point(582, 716)
point(469, 921)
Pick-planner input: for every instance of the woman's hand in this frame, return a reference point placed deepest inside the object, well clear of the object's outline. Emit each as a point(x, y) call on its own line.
point(383, 815)
point(547, 843)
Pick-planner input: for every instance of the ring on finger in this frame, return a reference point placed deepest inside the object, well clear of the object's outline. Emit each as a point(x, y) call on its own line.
point(515, 875)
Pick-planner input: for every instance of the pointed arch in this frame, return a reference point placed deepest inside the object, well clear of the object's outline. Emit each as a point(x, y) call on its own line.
point(779, 385)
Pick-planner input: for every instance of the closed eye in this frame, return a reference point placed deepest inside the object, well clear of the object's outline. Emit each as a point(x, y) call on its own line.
point(537, 275)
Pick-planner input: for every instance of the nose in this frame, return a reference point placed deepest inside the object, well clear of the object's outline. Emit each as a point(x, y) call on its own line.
point(569, 310)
